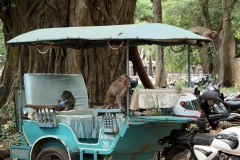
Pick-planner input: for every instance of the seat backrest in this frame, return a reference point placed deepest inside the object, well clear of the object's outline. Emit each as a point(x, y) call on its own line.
point(153, 98)
point(45, 89)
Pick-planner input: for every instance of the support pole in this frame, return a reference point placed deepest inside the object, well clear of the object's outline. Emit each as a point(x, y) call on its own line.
point(189, 65)
point(127, 72)
point(20, 110)
point(81, 59)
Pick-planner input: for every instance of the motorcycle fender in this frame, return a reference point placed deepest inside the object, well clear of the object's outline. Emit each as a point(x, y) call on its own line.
point(228, 141)
point(205, 152)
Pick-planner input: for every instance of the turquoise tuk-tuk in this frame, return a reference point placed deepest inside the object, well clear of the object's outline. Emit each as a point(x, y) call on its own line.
point(87, 133)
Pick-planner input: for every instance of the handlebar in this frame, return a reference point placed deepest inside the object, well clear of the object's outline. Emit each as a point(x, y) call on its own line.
point(219, 84)
point(215, 116)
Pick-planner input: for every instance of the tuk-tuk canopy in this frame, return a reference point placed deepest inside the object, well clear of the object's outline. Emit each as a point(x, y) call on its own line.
point(99, 36)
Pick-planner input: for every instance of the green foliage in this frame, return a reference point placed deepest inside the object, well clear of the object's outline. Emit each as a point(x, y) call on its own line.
point(140, 86)
point(144, 11)
point(13, 5)
point(178, 61)
point(144, 14)
point(8, 133)
point(181, 84)
point(7, 136)
point(237, 34)
point(147, 50)
point(2, 46)
point(178, 12)
point(9, 109)
point(229, 90)
point(175, 61)
point(236, 20)
point(185, 13)
point(4, 7)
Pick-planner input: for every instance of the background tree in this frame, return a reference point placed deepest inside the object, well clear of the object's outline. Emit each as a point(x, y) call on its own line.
point(206, 13)
point(224, 48)
point(177, 13)
point(160, 64)
point(143, 14)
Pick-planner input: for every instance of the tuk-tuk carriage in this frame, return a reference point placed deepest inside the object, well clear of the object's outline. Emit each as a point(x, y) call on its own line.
point(88, 133)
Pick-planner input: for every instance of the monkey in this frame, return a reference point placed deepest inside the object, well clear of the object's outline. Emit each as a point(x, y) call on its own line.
point(116, 92)
point(205, 32)
point(66, 101)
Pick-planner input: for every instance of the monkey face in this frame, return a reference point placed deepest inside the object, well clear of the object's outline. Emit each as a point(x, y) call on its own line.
point(125, 79)
point(66, 94)
point(66, 101)
point(213, 35)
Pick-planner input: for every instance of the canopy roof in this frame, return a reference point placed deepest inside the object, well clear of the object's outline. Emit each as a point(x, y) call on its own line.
point(96, 36)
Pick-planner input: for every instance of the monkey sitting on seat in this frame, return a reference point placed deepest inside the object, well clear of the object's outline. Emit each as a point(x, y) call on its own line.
point(116, 92)
point(66, 101)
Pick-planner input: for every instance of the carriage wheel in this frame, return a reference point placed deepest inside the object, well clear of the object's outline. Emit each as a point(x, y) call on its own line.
point(52, 153)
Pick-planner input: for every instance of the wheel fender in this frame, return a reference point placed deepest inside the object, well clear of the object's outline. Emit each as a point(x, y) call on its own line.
point(69, 144)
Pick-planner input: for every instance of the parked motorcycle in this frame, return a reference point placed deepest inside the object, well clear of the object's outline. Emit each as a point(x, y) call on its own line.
point(211, 104)
point(233, 97)
point(218, 112)
point(205, 146)
point(231, 101)
point(171, 85)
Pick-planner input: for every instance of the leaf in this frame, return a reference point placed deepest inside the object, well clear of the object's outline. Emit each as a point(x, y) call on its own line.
point(13, 5)
point(4, 8)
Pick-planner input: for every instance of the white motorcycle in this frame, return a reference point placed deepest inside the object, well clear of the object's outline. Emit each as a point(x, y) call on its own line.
point(186, 145)
point(205, 146)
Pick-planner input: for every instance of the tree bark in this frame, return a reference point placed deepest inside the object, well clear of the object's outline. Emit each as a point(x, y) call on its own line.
point(150, 72)
point(228, 63)
point(160, 65)
point(225, 63)
point(101, 66)
point(137, 63)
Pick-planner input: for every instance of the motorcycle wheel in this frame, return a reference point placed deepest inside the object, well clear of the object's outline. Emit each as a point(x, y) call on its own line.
point(52, 153)
point(181, 156)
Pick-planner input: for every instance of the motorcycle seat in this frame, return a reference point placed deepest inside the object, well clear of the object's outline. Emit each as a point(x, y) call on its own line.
point(234, 99)
point(202, 139)
point(233, 117)
point(234, 105)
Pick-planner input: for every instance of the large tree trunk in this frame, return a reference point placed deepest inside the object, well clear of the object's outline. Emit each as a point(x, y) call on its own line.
point(227, 64)
point(138, 65)
point(101, 65)
point(160, 65)
point(207, 53)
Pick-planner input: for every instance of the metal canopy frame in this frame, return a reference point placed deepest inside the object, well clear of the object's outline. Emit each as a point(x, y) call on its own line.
point(100, 36)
